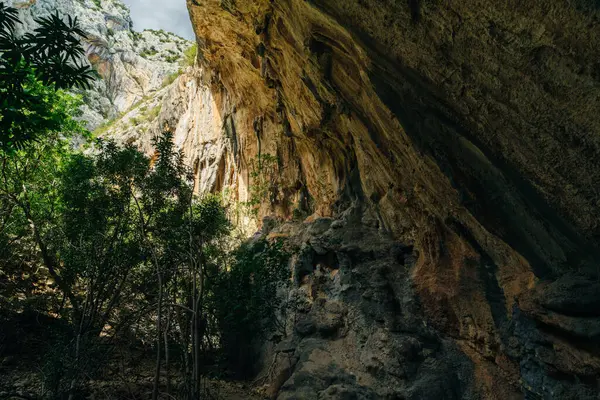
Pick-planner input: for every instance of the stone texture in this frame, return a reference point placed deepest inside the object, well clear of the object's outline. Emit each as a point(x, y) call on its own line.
point(355, 331)
point(464, 130)
point(443, 157)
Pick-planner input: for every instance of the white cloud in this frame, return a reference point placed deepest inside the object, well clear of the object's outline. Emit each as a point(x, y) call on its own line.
point(170, 15)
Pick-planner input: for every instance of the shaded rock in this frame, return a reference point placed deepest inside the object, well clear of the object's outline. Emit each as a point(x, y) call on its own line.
point(572, 295)
point(568, 304)
point(305, 326)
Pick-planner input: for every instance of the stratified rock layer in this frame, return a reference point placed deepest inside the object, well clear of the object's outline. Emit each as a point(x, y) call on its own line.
point(465, 130)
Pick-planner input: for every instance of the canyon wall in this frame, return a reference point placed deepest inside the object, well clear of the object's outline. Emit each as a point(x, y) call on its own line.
point(446, 154)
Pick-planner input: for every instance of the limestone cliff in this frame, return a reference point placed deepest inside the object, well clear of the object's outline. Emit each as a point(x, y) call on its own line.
point(132, 65)
point(447, 153)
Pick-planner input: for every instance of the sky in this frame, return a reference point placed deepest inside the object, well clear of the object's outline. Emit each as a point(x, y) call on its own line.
point(170, 15)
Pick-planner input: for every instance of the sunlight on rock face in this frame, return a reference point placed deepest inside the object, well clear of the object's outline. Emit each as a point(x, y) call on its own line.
point(430, 167)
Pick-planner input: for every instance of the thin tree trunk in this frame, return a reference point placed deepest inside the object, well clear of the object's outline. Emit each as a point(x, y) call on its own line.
point(198, 330)
point(74, 380)
point(166, 344)
point(158, 336)
point(195, 338)
point(160, 294)
point(196, 355)
point(78, 346)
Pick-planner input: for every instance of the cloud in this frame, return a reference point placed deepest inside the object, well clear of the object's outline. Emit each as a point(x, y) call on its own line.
point(170, 15)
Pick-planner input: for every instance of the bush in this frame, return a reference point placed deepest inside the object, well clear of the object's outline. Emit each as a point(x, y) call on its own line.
point(149, 52)
point(32, 69)
point(189, 56)
point(245, 301)
point(171, 78)
point(264, 174)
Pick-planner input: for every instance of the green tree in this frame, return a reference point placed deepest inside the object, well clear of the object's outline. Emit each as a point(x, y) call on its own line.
point(115, 242)
point(29, 204)
point(32, 68)
point(112, 241)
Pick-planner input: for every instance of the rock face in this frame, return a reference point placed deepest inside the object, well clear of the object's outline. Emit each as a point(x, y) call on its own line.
point(454, 147)
point(132, 65)
point(203, 130)
point(355, 328)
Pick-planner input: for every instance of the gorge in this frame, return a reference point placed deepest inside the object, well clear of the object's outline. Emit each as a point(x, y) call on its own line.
point(435, 164)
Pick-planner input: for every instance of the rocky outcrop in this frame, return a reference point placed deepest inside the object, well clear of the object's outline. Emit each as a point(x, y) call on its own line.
point(355, 328)
point(462, 139)
point(132, 65)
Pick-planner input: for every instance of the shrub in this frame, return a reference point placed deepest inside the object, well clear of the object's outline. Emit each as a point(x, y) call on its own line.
point(171, 78)
point(152, 114)
point(190, 55)
point(245, 301)
point(264, 181)
point(31, 105)
point(149, 52)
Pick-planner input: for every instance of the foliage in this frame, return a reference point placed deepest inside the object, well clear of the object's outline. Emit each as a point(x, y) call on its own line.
point(145, 115)
point(113, 243)
point(149, 52)
point(29, 207)
point(245, 299)
point(135, 36)
point(104, 127)
point(153, 113)
point(32, 68)
point(263, 181)
point(189, 59)
point(190, 55)
point(169, 79)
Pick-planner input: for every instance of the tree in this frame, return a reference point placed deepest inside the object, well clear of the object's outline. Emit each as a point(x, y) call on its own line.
point(29, 203)
point(132, 227)
point(117, 243)
point(113, 241)
point(32, 68)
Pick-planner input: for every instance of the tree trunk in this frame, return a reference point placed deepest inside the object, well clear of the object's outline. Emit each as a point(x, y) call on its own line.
point(195, 346)
point(166, 344)
point(158, 336)
point(80, 332)
point(74, 380)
